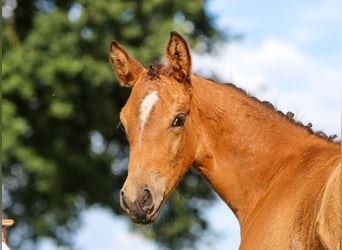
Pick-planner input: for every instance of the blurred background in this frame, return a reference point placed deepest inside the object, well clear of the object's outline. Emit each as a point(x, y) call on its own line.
point(64, 161)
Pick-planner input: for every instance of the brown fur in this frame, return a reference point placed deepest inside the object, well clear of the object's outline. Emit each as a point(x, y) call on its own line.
point(280, 179)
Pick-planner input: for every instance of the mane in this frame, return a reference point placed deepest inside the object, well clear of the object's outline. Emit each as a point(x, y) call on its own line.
point(289, 116)
point(154, 70)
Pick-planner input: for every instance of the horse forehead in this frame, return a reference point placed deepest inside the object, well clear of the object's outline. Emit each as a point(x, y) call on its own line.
point(146, 96)
point(146, 106)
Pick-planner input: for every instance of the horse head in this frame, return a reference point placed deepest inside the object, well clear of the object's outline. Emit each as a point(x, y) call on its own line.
point(158, 125)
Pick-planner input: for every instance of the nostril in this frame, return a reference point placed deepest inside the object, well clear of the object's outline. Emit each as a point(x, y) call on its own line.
point(146, 197)
point(146, 202)
point(123, 203)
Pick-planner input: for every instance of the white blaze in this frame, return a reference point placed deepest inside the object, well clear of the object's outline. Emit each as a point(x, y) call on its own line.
point(146, 107)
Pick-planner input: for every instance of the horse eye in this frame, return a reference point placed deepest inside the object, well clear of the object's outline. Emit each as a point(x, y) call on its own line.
point(121, 127)
point(178, 121)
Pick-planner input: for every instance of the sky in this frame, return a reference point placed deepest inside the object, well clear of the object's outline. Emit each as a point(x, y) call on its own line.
point(290, 55)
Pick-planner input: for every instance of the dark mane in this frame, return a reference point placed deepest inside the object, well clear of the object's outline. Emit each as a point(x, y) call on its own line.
point(154, 71)
point(289, 116)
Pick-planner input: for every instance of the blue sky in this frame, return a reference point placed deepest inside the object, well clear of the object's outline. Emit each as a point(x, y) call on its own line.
point(290, 55)
point(311, 25)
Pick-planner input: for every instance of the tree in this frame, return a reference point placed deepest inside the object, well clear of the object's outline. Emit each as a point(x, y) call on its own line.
point(61, 151)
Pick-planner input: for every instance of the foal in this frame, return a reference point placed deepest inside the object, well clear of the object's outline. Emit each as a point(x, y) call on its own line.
point(281, 180)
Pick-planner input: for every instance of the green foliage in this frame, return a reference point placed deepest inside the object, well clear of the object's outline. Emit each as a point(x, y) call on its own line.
point(61, 151)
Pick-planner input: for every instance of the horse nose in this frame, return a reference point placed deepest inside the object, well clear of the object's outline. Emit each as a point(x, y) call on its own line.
point(142, 205)
point(138, 204)
point(146, 201)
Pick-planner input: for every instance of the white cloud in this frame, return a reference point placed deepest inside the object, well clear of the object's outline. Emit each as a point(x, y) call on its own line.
point(104, 231)
point(281, 73)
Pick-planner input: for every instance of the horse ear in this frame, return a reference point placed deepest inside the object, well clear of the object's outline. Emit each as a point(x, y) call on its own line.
point(178, 57)
point(127, 69)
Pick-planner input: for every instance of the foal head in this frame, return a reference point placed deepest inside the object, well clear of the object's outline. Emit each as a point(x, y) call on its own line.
point(158, 127)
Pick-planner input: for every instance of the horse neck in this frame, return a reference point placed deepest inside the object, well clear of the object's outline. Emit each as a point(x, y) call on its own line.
point(243, 146)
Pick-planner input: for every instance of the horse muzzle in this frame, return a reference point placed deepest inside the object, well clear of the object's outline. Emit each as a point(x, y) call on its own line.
point(141, 208)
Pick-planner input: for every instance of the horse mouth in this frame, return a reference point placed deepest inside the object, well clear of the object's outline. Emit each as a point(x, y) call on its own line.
point(146, 218)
